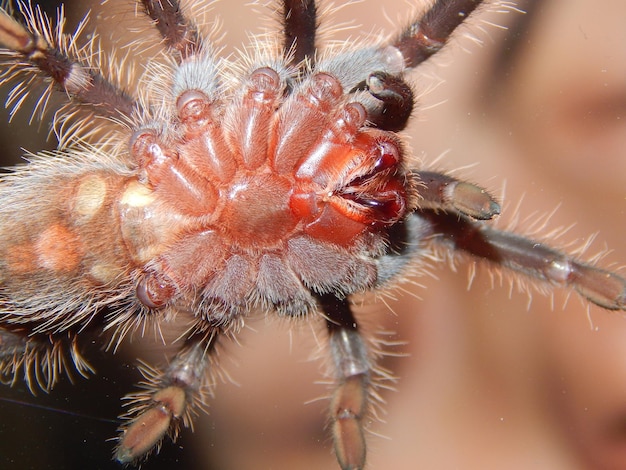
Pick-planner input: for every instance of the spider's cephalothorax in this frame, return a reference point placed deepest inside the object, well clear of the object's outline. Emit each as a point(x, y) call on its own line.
point(272, 183)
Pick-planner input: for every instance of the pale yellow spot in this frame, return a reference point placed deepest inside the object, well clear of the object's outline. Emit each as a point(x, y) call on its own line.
point(58, 249)
point(148, 253)
point(90, 196)
point(104, 273)
point(137, 195)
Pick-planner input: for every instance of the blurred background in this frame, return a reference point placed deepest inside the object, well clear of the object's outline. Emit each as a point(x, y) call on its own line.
point(489, 377)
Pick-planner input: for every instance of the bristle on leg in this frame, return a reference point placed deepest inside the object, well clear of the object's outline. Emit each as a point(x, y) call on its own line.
point(169, 398)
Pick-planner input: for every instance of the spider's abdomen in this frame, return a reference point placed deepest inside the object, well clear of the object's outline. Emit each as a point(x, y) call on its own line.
point(274, 196)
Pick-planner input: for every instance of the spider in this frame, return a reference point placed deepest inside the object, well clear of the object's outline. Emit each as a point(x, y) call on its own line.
point(270, 182)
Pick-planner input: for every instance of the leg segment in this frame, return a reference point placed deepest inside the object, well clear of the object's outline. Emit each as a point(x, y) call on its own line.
point(396, 99)
point(428, 34)
point(41, 359)
point(300, 26)
point(40, 48)
point(167, 399)
point(178, 33)
point(529, 257)
point(350, 399)
point(420, 40)
point(443, 192)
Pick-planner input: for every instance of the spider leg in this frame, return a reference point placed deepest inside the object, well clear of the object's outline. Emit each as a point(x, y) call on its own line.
point(428, 34)
point(352, 366)
point(528, 257)
point(167, 398)
point(41, 49)
point(424, 37)
point(41, 359)
point(178, 33)
point(300, 26)
point(439, 195)
point(443, 192)
point(396, 97)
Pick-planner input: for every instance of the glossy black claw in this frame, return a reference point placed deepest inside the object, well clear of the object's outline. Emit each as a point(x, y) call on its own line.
point(397, 101)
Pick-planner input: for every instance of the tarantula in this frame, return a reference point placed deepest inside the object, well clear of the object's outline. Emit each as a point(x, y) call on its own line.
point(222, 187)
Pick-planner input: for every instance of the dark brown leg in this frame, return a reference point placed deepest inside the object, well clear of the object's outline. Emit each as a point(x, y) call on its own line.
point(38, 49)
point(428, 34)
point(352, 367)
point(167, 399)
point(300, 26)
point(396, 99)
point(529, 257)
point(442, 192)
point(178, 33)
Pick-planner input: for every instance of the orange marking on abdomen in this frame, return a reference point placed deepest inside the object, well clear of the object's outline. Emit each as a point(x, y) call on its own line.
point(21, 259)
point(58, 249)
